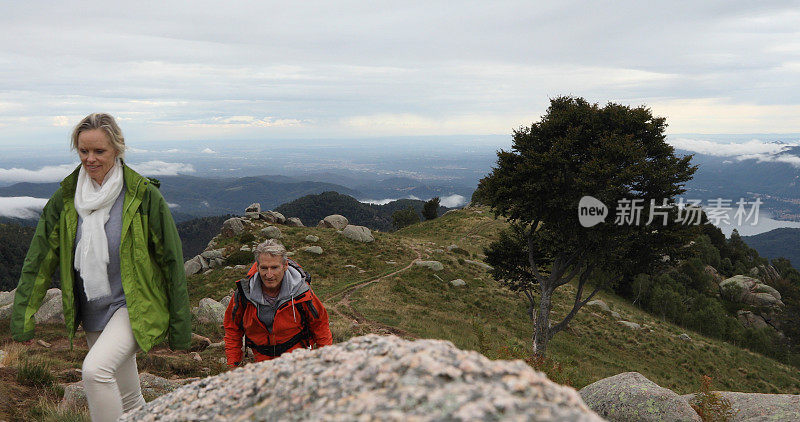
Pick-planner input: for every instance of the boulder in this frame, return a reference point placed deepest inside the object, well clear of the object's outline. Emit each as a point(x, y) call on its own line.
point(225, 301)
point(213, 254)
point(458, 283)
point(630, 396)
point(273, 217)
point(311, 238)
point(759, 407)
point(631, 325)
point(316, 250)
point(433, 265)
point(52, 309)
point(254, 207)
point(271, 232)
point(358, 233)
point(294, 222)
point(334, 221)
point(209, 311)
point(193, 266)
point(599, 304)
point(232, 227)
point(7, 298)
point(483, 265)
point(685, 337)
point(373, 378)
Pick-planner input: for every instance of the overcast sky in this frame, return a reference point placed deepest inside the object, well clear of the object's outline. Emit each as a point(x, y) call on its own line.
point(204, 70)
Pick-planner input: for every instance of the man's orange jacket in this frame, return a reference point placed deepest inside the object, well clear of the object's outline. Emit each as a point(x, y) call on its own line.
point(250, 320)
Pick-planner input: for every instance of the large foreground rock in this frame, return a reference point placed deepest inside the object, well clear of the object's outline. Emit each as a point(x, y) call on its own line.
point(630, 396)
point(373, 378)
point(755, 407)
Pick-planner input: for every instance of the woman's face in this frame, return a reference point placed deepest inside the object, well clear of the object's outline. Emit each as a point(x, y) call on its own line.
point(96, 153)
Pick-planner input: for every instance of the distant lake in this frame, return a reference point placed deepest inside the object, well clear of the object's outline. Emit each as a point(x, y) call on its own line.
point(765, 224)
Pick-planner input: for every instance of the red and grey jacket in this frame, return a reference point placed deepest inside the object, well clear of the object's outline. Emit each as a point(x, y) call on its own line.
point(298, 319)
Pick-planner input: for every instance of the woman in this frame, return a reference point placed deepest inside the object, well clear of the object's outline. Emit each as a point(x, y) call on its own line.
point(111, 233)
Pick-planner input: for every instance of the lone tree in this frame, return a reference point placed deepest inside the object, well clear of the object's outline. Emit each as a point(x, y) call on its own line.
point(431, 208)
point(614, 153)
point(404, 217)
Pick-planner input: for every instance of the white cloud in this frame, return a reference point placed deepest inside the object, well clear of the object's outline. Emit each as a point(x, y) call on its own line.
point(171, 205)
point(173, 151)
point(136, 150)
point(452, 201)
point(161, 168)
point(44, 174)
point(21, 206)
point(377, 201)
point(208, 151)
point(783, 158)
point(729, 149)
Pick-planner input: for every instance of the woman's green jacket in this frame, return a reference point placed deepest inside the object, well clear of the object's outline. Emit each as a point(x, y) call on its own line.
point(151, 265)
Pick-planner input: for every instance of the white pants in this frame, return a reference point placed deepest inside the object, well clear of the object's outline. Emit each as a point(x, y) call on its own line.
point(110, 377)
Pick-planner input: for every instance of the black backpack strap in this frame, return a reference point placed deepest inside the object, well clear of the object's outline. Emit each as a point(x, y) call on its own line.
point(239, 303)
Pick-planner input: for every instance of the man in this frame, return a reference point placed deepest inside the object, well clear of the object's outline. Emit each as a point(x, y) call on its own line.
point(274, 309)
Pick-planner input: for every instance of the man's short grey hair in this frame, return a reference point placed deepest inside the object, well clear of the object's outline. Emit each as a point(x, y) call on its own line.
point(270, 247)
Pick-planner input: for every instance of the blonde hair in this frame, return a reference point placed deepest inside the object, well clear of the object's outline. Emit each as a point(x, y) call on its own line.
point(107, 124)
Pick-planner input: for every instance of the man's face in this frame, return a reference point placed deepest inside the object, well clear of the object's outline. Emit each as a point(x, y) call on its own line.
point(271, 269)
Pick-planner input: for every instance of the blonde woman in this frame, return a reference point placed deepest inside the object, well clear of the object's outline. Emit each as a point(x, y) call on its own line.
point(121, 265)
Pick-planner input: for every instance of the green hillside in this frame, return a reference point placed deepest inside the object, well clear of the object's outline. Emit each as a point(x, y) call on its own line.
point(380, 294)
point(376, 288)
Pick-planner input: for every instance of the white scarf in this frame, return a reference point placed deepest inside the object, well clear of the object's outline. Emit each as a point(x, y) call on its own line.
point(93, 203)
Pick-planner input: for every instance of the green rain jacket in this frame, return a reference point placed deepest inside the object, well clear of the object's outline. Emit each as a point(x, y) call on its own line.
point(151, 265)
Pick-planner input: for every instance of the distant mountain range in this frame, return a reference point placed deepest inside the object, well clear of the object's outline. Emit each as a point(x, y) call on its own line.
point(190, 197)
point(776, 182)
point(312, 208)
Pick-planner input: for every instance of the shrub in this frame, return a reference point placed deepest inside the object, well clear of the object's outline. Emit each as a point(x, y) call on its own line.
point(246, 237)
point(711, 406)
point(240, 258)
point(34, 373)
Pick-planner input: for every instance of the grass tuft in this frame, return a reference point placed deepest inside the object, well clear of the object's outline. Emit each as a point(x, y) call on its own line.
point(35, 373)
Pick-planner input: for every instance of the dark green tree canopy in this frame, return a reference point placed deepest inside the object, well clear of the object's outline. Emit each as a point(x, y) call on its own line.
point(431, 208)
point(610, 153)
point(404, 217)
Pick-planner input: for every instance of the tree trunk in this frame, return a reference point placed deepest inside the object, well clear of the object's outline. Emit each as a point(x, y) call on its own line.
point(541, 333)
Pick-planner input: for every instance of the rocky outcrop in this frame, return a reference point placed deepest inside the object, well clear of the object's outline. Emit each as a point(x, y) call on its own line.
point(458, 283)
point(630, 396)
point(273, 217)
point(714, 274)
point(373, 378)
point(311, 238)
point(253, 211)
point(358, 233)
point(753, 407)
point(749, 291)
point(334, 221)
point(765, 273)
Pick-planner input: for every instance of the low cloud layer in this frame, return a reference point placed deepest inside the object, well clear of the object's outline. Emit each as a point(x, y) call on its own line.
point(42, 175)
point(21, 206)
point(162, 168)
point(753, 149)
point(452, 201)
